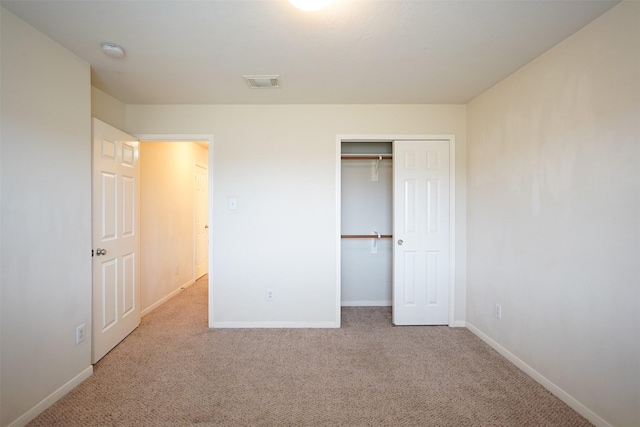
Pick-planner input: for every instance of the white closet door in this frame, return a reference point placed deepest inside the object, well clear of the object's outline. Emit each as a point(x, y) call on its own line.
point(421, 232)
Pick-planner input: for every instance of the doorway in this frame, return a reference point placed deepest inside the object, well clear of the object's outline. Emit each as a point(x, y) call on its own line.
point(175, 205)
point(120, 256)
point(419, 251)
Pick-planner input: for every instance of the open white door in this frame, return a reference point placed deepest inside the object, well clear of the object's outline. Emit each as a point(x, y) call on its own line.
point(200, 220)
point(421, 232)
point(116, 239)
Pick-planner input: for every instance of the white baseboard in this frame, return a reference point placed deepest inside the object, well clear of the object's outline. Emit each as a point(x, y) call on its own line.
point(274, 325)
point(52, 398)
point(365, 303)
point(541, 379)
point(166, 298)
point(458, 324)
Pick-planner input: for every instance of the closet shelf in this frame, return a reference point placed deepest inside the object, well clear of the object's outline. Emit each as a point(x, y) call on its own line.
point(367, 236)
point(366, 156)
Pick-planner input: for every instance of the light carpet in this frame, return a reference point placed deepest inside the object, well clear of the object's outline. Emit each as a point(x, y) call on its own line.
point(175, 371)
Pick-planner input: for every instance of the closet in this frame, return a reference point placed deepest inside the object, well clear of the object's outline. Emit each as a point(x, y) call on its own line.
point(397, 227)
point(366, 223)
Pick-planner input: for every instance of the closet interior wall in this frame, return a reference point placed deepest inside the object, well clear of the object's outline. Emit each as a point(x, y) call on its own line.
point(367, 209)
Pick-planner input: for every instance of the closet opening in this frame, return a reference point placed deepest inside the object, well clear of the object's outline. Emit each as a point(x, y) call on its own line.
point(366, 223)
point(396, 226)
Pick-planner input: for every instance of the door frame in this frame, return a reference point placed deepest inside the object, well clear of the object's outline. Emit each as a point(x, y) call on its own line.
point(452, 211)
point(189, 137)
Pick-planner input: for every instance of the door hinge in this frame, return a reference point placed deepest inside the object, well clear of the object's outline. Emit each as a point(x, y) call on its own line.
point(91, 252)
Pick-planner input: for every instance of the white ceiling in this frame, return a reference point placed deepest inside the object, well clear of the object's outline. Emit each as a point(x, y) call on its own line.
point(352, 52)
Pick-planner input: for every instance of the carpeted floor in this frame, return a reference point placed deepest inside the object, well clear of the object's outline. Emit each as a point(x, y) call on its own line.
point(174, 371)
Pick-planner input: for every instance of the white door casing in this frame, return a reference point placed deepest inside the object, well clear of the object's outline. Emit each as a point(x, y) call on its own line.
point(201, 214)
point(421, 230)
point(116, 239)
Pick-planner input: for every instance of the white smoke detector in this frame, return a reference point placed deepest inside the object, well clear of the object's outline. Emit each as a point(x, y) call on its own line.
point(263, 82)
point(113, 50)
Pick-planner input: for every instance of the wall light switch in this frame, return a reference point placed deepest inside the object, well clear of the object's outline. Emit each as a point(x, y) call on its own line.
point(232, 203)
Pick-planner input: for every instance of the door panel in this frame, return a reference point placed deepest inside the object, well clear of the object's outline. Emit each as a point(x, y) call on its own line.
point(109, 206)
point(116, 216)
point(128, 285)
point(421, 232)
point(128, 206)
point(108, 294)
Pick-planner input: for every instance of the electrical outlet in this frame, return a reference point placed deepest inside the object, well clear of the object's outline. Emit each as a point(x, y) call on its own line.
point(498, 311)
point(270, 295)
point(80, 333)
point(177, 270)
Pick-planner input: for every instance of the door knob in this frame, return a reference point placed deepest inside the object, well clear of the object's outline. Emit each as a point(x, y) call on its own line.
point(400, 242)
point(101, 252)
point(206, 226)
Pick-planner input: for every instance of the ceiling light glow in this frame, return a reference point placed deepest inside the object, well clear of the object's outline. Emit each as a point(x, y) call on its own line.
point(309, 5)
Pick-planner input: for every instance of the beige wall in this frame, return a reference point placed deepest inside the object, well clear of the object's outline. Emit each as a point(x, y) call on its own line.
point(106, 108)
point(553, 216)
point(280, 162)
point(45, 220)
point(167, 218)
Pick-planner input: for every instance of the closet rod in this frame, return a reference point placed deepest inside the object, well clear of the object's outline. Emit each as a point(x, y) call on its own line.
point(366, 156)
point(366, 236)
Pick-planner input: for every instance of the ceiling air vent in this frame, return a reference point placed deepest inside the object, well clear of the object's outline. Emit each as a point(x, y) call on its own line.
point(261, 82)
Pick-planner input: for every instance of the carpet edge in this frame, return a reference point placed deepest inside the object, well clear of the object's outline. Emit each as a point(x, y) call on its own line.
point(45, 403)
point(572, 402)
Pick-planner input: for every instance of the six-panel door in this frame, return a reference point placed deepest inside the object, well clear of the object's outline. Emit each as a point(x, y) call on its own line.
point(116, 240)
point(421, 232)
